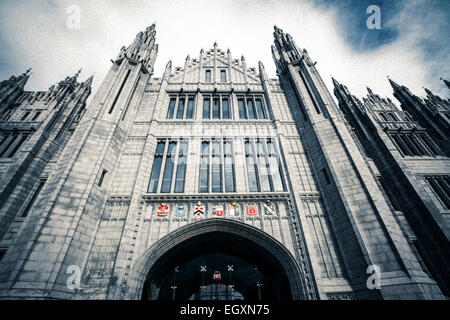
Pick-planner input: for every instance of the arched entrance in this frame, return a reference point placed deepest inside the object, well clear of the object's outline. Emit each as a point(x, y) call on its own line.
point(218, 259)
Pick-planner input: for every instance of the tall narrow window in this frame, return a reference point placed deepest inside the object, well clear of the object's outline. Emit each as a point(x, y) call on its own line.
point(2, 253)
point(260, 109)
point(441, 188)
point(223, 76)
point(168, 170)
point(206, 108)
point(36, 116)
point(216, 108)
point(171, 110)
point(33, 198)
point(225, 108)
point(102, 178)
point(242, 109)
point(401, 146)
point(181, 168)
point(190, 109)
point(392, 116)
point(11, 141)
point(430, 144)
point(251, 109)
point(216, 167)
point(208, 76)
point(25, 115)
point(16, 148)
point(204, 168)
point(252, 167)
point(7, 114)
point(156, 171)
point(180, 113)
point(120, 92)
point(5, 137)
point(265, 178)
point(230, 182)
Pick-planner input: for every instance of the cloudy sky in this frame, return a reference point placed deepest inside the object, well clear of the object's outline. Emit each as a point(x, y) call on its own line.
point(412, 46)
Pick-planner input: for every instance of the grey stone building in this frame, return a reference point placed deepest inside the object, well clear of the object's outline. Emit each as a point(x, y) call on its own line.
point(214, 182)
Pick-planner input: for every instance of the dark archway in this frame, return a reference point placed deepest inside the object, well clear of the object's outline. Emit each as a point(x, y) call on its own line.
point(262, 267)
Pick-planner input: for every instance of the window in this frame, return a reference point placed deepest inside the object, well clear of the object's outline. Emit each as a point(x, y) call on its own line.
point(217, 169)
point(392, 116)
point(169, 158)
point(226, 109)
point(415, 144)
point(102, 178)
point(26, 114)
point(2, 253)
point(33, 198)
point(7, 114)
point(180, 112)
point(264, 169)
point(36, 116)
point(206, 108)
point(185, 108)
point(440, 185)
point(208, 76)
point(220, 107)
point(16, 148)
point(156, 171)
point(168, 170)
point(383, 117)
point(223, 76)
point(171, 110)
point(230, 183)
point(181, 168)
point(14, 143)
point(190, 108)
point(204, 168)
point(216, 108)
point(251, 107)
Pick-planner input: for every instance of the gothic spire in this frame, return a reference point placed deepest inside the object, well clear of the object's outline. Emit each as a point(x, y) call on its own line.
point(394, 85)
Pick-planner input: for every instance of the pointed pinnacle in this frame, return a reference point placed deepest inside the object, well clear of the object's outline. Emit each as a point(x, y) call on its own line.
point(335, 82)
point(78, 73)
point(89, 80)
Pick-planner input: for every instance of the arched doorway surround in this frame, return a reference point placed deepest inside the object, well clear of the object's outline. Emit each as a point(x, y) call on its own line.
point(205, 236)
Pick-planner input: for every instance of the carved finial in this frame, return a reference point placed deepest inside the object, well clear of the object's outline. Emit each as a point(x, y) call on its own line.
point(215, 44)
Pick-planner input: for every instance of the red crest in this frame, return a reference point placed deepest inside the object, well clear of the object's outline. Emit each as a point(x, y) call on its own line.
point(163, 210)
point(252, 210)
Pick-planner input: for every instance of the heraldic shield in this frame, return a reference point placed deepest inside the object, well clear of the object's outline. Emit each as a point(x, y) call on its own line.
point(181, 211)
point(235, 209)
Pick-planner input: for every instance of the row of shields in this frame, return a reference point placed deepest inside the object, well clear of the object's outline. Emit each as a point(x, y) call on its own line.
point(234, 210)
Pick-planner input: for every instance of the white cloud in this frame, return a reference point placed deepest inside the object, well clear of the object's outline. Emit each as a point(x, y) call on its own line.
point(37, 34)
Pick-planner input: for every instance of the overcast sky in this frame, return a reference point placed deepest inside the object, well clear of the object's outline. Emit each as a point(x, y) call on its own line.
point(411, 47)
